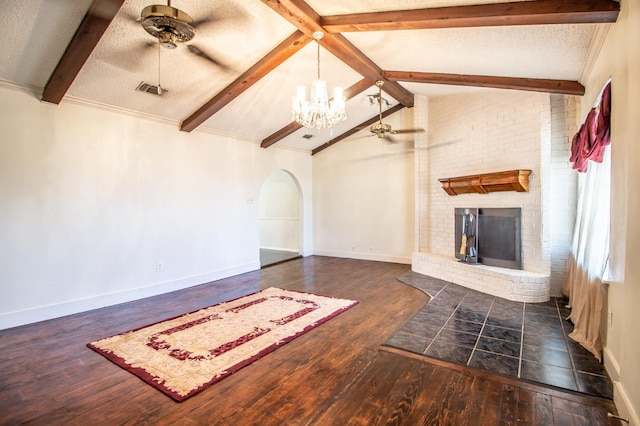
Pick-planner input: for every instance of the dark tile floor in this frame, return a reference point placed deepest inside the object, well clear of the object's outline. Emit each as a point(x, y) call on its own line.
point(524, 340)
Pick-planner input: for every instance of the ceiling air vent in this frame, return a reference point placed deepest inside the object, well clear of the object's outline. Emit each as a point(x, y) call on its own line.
point(307, 136)
point(151, 89)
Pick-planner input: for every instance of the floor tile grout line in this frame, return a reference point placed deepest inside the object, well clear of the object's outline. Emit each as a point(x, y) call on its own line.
point(445, 323)
point(473, 351)
point(574, 371)
point(524, 309)
point(441, 290)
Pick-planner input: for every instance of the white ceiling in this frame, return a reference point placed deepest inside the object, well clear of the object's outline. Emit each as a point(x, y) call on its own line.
point(242, 32)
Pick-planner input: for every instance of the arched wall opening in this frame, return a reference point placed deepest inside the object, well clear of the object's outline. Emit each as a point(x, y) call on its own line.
point(280, 216)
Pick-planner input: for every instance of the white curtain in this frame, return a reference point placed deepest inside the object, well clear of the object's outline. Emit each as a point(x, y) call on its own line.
point(589, 255)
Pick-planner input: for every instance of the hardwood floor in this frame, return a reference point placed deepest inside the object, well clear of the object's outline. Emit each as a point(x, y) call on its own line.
point(335, 374)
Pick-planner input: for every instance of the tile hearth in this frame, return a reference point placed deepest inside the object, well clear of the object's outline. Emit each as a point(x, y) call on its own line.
point(523, 340)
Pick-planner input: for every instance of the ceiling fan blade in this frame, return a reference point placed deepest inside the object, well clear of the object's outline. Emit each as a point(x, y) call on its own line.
point(200, 53)
point(236, 15)
point(391, 139)
point(104, 10)
point(355, 138)
point(403, 131)
point(140, 60)
point(148, 45)
point(131, 18)
point(203, 22)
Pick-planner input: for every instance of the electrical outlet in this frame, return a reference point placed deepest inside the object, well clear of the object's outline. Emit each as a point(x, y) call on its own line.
point(159, 266)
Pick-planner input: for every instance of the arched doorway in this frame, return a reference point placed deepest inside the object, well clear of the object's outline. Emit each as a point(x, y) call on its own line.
point(280, 215)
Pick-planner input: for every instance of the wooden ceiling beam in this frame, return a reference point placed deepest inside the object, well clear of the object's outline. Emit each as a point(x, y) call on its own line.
point(344, 50)
point(300, 14)
point(566, 87)
point(540, 12)
point(273, 59)
point(292, 127)
point(280, 134)
point(356, 129)
point(86, 38)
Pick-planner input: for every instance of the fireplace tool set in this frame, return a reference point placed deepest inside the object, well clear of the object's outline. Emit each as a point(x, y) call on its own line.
point(468, 248)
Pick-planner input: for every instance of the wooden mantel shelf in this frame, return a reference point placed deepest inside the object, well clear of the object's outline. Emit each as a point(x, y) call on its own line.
point(512, 180)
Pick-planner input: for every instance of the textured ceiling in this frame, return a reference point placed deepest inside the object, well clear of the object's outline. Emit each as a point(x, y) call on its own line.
point(238, 33)
point(543, 51)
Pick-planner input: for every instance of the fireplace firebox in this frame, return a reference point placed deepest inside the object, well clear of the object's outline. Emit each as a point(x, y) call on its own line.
point(491, 236)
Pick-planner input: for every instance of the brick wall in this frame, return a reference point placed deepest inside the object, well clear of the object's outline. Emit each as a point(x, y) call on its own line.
point(493, 131)
point(563, 185)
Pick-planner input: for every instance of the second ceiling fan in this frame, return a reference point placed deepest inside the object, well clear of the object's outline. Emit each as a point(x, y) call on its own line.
point(380, 129)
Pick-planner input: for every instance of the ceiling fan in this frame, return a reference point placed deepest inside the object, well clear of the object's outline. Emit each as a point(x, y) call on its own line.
point(171, 27)
point(380, 129)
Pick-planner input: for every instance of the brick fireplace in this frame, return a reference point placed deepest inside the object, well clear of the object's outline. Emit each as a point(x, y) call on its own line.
point(490, 131)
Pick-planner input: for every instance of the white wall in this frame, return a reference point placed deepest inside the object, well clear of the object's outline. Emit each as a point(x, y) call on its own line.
point(363, 192)
point(620, 59)
point(99, 207)
point(279, 211)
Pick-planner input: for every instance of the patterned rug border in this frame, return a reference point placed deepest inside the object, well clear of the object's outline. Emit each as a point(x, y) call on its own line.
point(159, 384)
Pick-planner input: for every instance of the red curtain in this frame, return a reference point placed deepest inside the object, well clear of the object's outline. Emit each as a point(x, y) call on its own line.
point(594, 135)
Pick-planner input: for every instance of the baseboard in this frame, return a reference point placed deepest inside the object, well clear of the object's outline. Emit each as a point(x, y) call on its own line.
point(15, 319)
point(281, 249)
point(365, 256)
point(620, 397)
point(624, 405)
point(611, 364)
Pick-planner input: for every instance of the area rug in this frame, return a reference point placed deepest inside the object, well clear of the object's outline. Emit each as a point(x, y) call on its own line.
point(184, 355)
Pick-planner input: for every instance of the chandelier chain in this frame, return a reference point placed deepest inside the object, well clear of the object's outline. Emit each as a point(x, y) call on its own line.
point(318, 61)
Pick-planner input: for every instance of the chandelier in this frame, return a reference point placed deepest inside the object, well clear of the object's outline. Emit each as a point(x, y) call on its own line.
point(318, 111)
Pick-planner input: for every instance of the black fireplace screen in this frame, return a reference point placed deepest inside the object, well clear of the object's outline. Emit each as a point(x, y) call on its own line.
point(491, 236)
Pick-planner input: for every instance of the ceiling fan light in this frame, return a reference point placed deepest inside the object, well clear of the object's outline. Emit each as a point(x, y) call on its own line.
point(168, 39)
point(380, 129)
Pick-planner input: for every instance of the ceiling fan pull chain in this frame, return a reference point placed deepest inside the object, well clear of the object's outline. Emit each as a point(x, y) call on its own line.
point(159, 84)
point(380, 101)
